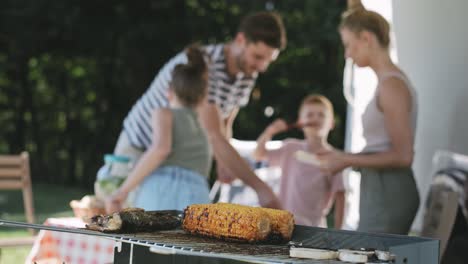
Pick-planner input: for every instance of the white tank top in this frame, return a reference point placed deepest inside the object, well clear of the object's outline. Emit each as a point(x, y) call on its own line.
point(373, 123)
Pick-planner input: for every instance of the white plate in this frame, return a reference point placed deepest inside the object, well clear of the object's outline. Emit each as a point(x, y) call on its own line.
point(306, 157)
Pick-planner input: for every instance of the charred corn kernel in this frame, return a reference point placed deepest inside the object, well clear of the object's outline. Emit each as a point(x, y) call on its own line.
point(227, 221)
point(282, 223)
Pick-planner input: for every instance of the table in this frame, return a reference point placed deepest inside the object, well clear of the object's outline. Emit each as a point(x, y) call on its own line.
point(58, 247)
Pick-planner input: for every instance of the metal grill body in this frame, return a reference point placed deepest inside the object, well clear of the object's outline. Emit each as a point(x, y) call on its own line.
point(175, 246)
point(195, 249)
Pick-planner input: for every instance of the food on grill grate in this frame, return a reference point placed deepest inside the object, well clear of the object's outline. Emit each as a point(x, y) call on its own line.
point(373, 255)
point(227, 221)
point(362, 251)
point(135, 220)
point(362, 255)
point(384, 255)
point(282, 224)
point(313, 253)
point(353, 256)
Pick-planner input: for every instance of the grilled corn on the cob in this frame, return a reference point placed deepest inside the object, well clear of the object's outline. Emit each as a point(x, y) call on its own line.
point(282, 224)
point(227, 221)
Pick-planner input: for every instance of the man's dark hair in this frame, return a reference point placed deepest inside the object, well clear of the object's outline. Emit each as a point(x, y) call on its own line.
point(264, 26)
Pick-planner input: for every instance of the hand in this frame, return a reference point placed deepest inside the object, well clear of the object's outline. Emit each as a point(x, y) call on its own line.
point(267, 198)
point(331, 161)
point(278, 126)
point(224, 176)
point(115, 202)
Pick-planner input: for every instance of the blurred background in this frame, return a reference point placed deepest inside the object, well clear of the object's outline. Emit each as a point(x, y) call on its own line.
point(71, 70)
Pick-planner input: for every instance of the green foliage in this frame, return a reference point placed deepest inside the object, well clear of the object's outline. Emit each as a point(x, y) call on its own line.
point(71, 70)
point(49, 201)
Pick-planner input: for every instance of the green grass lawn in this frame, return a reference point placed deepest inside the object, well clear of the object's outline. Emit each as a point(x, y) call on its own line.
point(49, 201)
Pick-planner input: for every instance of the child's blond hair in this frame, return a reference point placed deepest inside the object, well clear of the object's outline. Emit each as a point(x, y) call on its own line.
point(317, 99)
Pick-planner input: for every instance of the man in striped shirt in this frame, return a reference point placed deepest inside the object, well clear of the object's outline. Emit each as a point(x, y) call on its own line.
point(233, 69)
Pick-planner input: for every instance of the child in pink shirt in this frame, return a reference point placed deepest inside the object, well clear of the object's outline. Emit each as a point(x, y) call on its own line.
point(304, 189)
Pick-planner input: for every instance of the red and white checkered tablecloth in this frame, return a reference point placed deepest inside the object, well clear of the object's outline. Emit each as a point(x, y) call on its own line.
point(59, 247)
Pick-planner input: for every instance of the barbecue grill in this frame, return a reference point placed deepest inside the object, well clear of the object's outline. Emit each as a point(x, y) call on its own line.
point(175, 246)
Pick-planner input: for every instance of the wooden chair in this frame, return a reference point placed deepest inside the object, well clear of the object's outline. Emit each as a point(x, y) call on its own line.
point(439, 217)
point(442, 202)
point(14, 175)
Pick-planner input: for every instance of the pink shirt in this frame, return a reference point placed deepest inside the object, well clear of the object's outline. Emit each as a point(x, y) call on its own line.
point(304, 190)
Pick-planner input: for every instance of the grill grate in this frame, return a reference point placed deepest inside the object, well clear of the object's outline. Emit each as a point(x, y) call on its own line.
point(407, 249)
point(178, 242)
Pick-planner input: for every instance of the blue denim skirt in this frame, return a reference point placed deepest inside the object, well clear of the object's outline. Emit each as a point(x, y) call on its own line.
point(171, 188)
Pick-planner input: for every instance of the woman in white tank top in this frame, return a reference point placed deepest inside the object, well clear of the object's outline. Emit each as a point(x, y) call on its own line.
point(389, 124)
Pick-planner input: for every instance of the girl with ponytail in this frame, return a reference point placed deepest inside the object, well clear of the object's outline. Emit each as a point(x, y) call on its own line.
point(172, 173)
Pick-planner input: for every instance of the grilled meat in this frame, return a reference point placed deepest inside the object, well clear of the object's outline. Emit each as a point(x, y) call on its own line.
point(134, 220)
point(313, 253)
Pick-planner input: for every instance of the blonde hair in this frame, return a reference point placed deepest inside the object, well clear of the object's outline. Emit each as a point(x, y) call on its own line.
point(316, 99)
point(358, 19)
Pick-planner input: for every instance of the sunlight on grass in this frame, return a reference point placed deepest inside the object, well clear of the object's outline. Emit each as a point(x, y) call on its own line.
point(14, 254)
point(49, 201)
point(11, 232)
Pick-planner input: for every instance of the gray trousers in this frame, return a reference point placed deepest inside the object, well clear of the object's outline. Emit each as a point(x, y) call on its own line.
point(389, 200)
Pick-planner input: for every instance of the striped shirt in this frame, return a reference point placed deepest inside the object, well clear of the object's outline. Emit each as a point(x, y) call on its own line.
point(223, 90)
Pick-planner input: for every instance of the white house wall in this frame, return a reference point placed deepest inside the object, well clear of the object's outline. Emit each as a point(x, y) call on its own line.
point(432, 38)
